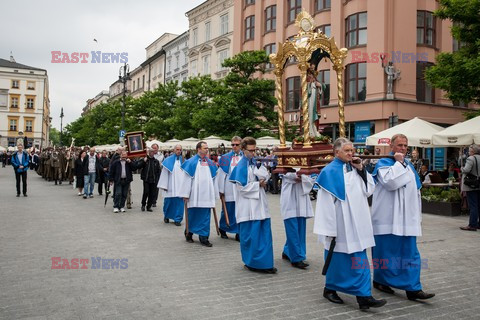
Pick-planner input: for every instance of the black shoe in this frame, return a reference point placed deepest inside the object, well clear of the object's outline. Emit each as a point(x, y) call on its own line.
point(149, 209)
point(166, 220)
point(206, 243)
point(100, 194)
point(25, 195)
point(60, 182)
point(383, 288)
point(84, 196)
point(55, 182)
point(154, 205)
point(414, 295)
point(143, 208)
point(178, 224)
point(18, 195)
point(367, 302)
point(268, 271)
point(189, 237)
point(285, 257)
point(237, 237)
point(300, 265)
point(223, 234)
point(332, 296)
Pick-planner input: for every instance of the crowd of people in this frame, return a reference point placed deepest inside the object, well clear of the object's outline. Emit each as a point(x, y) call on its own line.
point(345, 221)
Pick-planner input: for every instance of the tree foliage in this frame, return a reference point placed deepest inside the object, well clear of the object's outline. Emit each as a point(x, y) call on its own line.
point(458, 73)
point(240, 104)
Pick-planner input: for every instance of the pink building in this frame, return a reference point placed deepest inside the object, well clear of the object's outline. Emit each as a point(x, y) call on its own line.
point(404, 30)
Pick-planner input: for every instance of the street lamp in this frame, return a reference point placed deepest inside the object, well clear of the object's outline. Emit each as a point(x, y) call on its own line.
point(123, 78)
point(61, 127)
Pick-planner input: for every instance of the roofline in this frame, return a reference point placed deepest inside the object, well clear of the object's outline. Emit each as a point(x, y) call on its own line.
point(169, 42)
point(201, 4)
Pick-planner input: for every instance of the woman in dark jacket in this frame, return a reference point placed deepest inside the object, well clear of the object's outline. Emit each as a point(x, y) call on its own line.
point(79, 172)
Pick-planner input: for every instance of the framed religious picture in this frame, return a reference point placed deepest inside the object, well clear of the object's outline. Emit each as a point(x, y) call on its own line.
point(135, 144)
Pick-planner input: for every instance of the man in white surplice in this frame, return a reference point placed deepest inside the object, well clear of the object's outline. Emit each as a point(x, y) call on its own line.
point(296, 208)
point(200, 192)
point(342, 213)
point(170, 181)
point(396, 218)
point(253, 216)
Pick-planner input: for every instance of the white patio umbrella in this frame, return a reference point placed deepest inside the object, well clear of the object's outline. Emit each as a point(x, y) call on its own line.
point(189, 143)
point(460, 134)
point(2, 149)
point(215, 142)
point(268, 142)
point(149, 143)
point(170, 144)
point(419, 133)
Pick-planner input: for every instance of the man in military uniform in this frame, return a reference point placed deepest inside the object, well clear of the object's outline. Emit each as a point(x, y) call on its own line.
point(56, 166)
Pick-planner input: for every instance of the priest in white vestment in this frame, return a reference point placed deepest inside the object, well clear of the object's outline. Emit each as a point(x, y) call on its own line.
point(200, 191)
point(342, 213)
point(396, 219)
point(226, 164)
point(296, 208)
point(170, 182)
point(252, 214)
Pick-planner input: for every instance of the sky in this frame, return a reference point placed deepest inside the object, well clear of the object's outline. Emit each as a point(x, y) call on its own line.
point(32, 29)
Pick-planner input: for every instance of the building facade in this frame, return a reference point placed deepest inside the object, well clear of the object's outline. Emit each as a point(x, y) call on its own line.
point(24, 104)
point(103, 96)
point(176, 53)
point(210, 37)
point(405, 32)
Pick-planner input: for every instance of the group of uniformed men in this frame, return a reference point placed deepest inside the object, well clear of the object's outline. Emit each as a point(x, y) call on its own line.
point(344, 221)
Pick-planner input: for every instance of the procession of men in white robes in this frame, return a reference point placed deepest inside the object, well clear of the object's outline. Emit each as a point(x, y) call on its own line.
point(170, 182)
point(342, 221)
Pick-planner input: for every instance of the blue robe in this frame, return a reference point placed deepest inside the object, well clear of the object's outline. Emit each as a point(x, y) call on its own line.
point(256, 243)
point(402, 265)
point(346, 274)
point(173, 208)
point(199, 221)
point(233, 228)
point(295, 247)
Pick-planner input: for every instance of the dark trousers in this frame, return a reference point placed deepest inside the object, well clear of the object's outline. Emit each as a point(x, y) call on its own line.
point(275, 182)
point(121, 191)
point(23, 175)
point(473, 199)
point(156, 195)
point(149, 192)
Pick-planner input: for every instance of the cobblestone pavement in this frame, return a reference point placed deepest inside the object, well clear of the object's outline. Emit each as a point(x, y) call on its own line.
point(168, 278)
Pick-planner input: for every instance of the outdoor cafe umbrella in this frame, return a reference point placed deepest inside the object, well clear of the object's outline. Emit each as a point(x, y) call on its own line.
point(460, 134)
point(419, 133)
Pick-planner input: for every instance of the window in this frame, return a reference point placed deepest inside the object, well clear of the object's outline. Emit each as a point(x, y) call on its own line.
point(249, 28)
point(30, 102)
point(28, 125)
point(177, 62)
point(222, 55)
point(138, 83)
point(143, 81)
point(224, 24)
point(324, 78)
point(12, 142)
point(15, 84)
point(30, 85)
point(425, 28)
point(269, 49)
point(206, 64)
point(293, 93)
point(249, 2)
point(13, 125)
point(271, 18)
point(207, 31)
point(133, 85)
point(325, 29)
point(322, 5)
point(294, 8)
point(425, 93)
point(14, 101)
point(356, 82)
point(356, 30)
point(169, 63)
point(195, 37)
point(194, 68)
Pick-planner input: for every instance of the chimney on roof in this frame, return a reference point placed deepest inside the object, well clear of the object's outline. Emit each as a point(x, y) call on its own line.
point(12, 59)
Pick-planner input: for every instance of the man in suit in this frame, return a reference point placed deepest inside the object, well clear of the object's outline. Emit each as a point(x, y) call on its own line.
point(121, 176)
point(20, 162)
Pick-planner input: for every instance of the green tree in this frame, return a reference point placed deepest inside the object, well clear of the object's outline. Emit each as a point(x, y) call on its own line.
point(54, 135)
point(243, 103)
point(458, 73)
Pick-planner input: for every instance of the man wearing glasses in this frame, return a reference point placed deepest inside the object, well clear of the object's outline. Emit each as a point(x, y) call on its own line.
point(227, 163)
point(253, 216)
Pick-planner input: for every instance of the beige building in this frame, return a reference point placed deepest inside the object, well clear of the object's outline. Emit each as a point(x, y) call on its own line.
point(406, 31)
point(210, 37)
point(24, 104)
point(103, 96)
